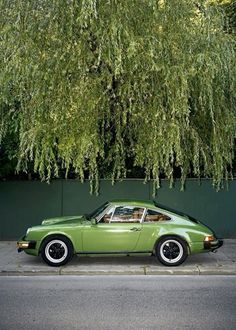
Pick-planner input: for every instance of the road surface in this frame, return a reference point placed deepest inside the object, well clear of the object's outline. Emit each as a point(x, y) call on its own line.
point(118, 302)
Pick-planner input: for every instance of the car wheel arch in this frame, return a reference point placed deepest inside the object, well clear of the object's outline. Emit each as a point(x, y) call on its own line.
point(174, 236)
point(55, 235)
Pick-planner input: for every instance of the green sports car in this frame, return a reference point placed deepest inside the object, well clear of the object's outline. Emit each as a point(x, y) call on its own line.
point(120, 227)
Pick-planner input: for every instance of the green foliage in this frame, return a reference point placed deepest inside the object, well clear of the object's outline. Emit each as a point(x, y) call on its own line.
point(98, 82)
point(230, 9)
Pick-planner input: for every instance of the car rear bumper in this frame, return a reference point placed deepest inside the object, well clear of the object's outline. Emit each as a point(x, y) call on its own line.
point(213, 245)
point(24, 245)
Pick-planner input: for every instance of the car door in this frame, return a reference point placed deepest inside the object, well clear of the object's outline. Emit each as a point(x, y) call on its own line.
point(117, 231)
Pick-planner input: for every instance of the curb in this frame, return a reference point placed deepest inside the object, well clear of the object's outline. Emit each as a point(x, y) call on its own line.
point(147, 272)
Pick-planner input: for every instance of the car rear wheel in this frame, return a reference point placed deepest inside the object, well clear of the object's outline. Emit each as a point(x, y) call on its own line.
point(57, 251)
point(171, 251)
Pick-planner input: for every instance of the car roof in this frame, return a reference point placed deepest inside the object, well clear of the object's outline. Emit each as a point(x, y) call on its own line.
point(136, 202)
point(147, 204)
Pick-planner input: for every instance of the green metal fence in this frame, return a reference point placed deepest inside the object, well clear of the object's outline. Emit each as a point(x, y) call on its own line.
point(26, 203)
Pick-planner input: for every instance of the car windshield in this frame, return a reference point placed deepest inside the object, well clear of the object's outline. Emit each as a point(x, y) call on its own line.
point(96, 212)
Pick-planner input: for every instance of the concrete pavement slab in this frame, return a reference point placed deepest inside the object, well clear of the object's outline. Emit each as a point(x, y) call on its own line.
point(223, 262)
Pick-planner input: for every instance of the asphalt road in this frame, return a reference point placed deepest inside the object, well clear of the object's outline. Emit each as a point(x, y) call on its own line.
point(118, 302)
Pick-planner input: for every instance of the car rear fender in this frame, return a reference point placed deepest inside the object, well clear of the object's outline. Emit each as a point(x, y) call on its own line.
point(172, 235)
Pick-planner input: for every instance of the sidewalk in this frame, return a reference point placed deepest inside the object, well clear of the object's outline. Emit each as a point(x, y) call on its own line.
point(221, 263)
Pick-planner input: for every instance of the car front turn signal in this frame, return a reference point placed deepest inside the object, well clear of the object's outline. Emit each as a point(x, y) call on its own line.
point(209, 238)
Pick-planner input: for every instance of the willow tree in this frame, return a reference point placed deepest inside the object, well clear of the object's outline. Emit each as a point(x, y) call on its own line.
point(92, 83)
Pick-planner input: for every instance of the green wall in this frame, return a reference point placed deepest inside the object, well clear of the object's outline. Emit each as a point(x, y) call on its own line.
point(26, 203)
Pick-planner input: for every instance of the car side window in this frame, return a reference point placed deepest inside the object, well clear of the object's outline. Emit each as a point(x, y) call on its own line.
point(107, 216)
point(127, 214)
point(154, 216)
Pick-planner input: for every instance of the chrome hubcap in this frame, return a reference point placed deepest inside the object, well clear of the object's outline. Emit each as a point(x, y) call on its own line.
point(56, 251)
point(171, 251)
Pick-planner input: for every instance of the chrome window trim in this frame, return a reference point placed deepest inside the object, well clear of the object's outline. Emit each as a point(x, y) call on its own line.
point(144, 215)
point(112, 213)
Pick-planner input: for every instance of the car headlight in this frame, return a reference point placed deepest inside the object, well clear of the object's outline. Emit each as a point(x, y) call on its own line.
point(209, 238)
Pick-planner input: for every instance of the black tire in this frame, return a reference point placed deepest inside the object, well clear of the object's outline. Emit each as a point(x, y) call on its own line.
point(57, 250)
point(171, 251)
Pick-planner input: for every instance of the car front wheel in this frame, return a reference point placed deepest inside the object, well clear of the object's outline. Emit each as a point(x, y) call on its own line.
point(56, 251)
point(171, 251)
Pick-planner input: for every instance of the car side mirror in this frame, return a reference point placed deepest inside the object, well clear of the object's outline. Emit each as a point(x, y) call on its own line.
point(93, 222)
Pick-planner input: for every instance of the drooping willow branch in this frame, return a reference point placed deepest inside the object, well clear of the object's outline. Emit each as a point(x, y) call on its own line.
point(97, 82)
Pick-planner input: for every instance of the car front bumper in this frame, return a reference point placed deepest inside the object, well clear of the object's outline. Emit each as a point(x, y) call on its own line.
point(213, 245)
point(24, 245)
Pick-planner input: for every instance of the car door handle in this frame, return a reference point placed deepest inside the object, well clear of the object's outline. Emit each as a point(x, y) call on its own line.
point(135, 229)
